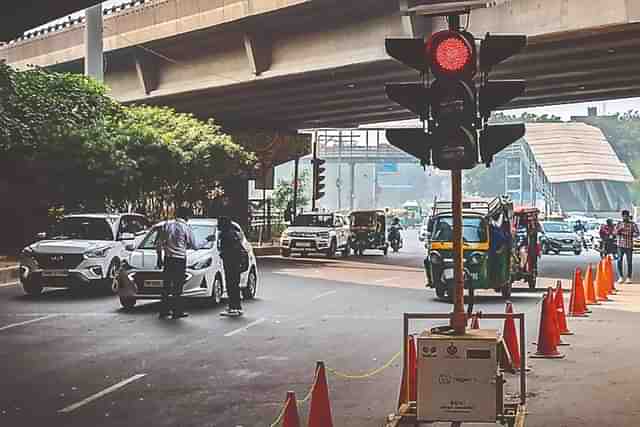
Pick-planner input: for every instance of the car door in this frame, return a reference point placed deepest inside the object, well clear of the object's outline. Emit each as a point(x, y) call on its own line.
point(145, 255)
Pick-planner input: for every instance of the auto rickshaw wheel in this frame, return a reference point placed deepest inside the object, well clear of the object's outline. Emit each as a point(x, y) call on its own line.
point(506, 290)
point(531, 281)
point(332, 249)
point(386, 250)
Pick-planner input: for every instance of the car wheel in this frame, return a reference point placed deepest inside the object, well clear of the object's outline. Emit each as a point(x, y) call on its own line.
point(332, 249)
point(32, 288)
point(285, 253)
point(111, 282)
point(347, 250)
point(128, 302)
point(252, 285)
point(216, 291)
point(545, 249)
point(386, 250)
point(578, 252)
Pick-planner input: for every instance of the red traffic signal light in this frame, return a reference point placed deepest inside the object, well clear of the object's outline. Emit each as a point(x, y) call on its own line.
point(452, 54)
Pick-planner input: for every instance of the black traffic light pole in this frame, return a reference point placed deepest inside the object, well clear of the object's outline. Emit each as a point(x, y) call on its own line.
point(315, 172)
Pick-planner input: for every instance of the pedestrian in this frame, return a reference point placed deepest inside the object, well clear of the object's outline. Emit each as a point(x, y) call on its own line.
point(174, 238)
point(608, 239)
point(626, 230)
point(230, 248)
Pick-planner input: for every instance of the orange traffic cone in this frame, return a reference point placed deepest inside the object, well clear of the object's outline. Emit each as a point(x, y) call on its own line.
point(563, 329)
point(547, 348)
point(577, 303)
point(601, 285)
point(290, 417)
point(554, 317)
point(475, 320)
point(611, 276)
point(590, 290)
point(510, 337)
point(409, 384)
point(320, 408)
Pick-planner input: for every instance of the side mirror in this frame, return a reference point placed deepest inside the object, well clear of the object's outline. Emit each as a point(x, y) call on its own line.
point(211, 238)
point(129, 247)
point(127, 236)
point(430, 226)
point(42, 235)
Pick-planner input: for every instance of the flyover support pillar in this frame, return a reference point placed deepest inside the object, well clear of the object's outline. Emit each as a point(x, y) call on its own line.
point(93, 45)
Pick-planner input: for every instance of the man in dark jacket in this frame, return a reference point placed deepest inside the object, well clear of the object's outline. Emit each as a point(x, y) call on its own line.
point(230, 248)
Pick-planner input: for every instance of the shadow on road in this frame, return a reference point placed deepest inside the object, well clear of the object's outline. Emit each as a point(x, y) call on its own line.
point(56, 295)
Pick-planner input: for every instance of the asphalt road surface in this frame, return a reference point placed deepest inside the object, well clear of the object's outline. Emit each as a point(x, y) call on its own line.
point(75, 359)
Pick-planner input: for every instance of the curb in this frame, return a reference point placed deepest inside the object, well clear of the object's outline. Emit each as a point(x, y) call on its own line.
point(9, 274)
point(266, 251)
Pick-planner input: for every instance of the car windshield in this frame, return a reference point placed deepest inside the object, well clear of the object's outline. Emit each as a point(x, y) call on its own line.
point(314, 221)
point(557, 227)
point(82, 228)
point(363, 219)
point(200, 231)
point(472, 230)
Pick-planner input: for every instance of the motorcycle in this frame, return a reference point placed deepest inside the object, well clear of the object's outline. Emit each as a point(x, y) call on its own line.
point(395, 238)
point(608, 246)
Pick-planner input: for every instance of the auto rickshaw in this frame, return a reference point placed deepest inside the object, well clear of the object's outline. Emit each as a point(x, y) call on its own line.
point(526, 250)
point(486, 231)
point(368, 231)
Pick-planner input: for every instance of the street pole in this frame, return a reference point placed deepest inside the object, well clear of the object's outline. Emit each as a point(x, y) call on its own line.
point(314, 151)
point(458, 317)
point(295, 187)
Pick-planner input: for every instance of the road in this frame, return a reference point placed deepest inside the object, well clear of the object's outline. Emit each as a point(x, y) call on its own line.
point(75, 359)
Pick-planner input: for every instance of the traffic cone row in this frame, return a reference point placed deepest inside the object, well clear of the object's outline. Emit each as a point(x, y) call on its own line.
point(320, 407)
point(577, 301)
point(548, 334)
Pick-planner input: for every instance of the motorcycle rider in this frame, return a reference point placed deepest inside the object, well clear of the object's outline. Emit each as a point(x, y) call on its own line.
point(608, 239)
point(394, 232)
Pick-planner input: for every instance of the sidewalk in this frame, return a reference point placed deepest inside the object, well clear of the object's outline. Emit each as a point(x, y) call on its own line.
point(596, 384)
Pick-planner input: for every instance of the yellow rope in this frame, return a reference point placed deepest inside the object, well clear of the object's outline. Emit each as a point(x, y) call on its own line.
point(368, 374)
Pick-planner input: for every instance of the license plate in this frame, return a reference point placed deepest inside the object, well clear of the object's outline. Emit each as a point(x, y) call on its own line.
point(153, 284)
point(303, 245)
point(448, 274)
point(55, 273)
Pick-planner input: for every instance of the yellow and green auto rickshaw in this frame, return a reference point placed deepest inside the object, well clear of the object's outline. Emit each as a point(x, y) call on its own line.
point(368, 231)
point(487, 246)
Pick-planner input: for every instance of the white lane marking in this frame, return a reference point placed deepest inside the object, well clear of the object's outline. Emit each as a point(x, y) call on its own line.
point(388, 279)
point(245, 327)
point(67, 314)
point(26, 322)
point(6, 285)
point(98, 395)
point(324, 295)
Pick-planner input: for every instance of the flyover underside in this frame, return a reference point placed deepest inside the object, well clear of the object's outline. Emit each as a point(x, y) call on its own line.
point(594, 196)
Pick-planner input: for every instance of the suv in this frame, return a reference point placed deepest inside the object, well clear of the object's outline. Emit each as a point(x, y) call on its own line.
point(326, 233)
point(80, 250)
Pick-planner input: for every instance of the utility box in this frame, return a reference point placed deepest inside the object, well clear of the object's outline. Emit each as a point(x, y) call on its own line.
point(458, 377)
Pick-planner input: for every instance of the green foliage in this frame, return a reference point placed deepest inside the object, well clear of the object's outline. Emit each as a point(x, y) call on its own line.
point(283, 192)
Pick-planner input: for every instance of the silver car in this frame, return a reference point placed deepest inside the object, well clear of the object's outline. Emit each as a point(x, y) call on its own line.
point(140, 278)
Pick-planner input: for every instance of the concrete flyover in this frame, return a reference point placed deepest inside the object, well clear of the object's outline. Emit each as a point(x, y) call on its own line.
point(293, 64)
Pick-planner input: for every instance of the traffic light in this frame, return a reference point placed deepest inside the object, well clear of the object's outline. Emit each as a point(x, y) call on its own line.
point(455, 105)
point(318, 177)
point(496, 93)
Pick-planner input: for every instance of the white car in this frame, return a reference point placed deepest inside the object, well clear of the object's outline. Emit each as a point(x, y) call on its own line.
point(326, 233)
point(81, 250)
point(140, 277)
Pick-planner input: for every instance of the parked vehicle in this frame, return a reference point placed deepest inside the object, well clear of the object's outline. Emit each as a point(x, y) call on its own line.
point(526, 251)
point(140, 278)
point(325, 233)
point(487, 265)
point(368, 231)
point(559, 237)
point(81, 250)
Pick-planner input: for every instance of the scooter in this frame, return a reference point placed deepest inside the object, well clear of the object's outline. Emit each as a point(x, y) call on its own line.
point(395, 239)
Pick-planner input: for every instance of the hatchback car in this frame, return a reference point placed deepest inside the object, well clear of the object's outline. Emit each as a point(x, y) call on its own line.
point(559, 237)
point(140, 278)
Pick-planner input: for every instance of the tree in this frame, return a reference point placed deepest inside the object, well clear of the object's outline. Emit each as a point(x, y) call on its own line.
point(283, 192)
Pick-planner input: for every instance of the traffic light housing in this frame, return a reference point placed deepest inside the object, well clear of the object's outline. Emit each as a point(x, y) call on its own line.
point(454, 104)
point(318, 178)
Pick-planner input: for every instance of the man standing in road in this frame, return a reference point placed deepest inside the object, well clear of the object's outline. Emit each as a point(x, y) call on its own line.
point(626, 230)
point(174, 238)
point(230, 248)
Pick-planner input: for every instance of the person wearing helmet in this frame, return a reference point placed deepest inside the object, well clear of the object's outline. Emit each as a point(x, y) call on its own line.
point(608, 238)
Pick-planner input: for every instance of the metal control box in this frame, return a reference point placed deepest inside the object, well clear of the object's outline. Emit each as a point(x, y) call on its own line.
point(457, 377)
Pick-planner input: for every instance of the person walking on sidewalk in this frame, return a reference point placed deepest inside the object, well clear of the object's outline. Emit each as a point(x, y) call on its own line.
point(230, 248)
point(174, 238)
point(626, 230)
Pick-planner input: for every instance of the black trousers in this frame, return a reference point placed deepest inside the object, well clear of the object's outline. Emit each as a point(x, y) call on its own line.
point(173, 278)
point(628, 252)
point(232, 278)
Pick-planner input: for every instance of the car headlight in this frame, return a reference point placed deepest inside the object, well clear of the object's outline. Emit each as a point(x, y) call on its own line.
point(476, 258)
point(436, 258)
point(27, 252)
point(323, 235)
point(97, 253)
point(285, 234)
point(201, 265)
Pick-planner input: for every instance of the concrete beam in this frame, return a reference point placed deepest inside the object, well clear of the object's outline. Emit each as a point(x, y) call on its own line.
point(147, 71)
point(259, 52)
point(94, 49)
